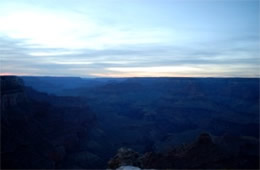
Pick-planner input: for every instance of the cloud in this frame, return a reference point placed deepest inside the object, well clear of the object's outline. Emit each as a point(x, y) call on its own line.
point(130, 60)
point(73, 31)
point(133, 38)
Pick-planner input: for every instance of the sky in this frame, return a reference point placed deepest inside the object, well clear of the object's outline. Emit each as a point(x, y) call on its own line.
point(130, 38)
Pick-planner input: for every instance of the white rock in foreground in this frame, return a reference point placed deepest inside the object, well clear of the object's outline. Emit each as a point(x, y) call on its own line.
point(128, 168)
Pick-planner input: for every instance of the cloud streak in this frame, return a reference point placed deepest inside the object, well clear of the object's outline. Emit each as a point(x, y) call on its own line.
point(130, 61)
point(70, 41)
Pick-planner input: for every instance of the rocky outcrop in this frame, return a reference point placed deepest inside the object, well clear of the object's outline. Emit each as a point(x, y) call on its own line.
point(202, 154)
point(125, 156)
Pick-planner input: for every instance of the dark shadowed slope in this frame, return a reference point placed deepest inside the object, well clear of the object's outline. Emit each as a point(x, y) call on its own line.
point(42, 131)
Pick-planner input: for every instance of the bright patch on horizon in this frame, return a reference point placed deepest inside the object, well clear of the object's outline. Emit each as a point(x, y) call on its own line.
point(159, 69)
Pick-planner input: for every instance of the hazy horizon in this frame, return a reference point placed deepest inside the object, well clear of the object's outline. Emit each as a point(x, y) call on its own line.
point(119, 77)
point(130, 38)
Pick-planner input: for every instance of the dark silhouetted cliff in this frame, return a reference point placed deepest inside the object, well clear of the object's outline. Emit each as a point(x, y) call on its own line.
point(37, 132)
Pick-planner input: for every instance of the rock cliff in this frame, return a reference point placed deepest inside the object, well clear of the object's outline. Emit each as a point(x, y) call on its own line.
point(12, 91)
point(43, 131)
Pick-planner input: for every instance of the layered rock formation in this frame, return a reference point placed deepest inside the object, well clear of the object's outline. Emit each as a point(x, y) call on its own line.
point(11, 91)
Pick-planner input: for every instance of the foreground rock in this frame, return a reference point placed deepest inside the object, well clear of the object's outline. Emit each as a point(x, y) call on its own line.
point(202, 154)
point(125, 156)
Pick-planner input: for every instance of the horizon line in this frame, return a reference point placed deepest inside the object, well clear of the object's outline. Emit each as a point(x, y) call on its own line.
point(92, 77)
